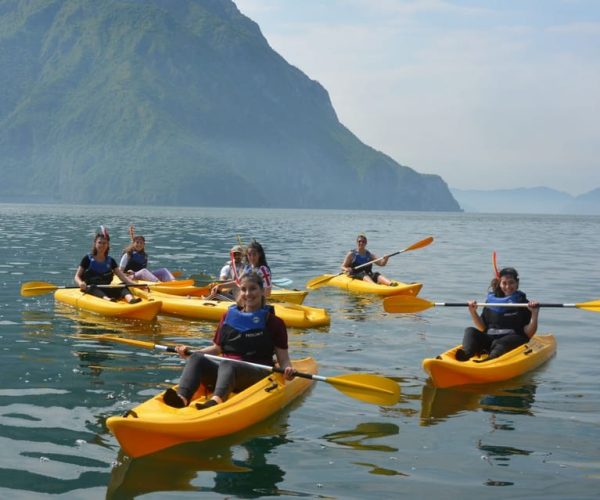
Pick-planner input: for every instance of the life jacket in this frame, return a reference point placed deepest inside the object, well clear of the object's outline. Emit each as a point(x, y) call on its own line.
point(504, 319)
point(263, 271)
point(137, 261)
point(359, 260)
point(98, 273)
point(244, 335)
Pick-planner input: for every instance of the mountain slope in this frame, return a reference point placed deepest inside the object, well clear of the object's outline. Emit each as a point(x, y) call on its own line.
point(177, 103)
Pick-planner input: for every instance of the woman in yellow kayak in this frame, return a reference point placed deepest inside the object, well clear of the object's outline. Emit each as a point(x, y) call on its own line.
point(98, 267)
point(500, 329)
point(134, 261)
point(248, 331)
point(360, 256)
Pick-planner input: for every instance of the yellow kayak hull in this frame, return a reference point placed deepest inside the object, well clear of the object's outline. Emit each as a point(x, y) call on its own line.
point(187, 288)
point(446, 371)
point(277, 295)
point(359, 286)
point(146, 310)
point(153, 425)
point(293, 315)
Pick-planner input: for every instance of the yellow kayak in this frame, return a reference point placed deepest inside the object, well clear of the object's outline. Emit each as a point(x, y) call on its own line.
point(293, 315)
point(187, 288)
point(359, 286)
point(446, 371)
point(153, 425)
point(145, 310)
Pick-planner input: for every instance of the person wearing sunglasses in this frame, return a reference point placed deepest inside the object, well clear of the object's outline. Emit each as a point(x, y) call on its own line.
point(360, 256)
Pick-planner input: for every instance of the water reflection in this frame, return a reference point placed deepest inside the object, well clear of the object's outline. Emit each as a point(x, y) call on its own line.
point(510, 397)
point(358, 307)
point(356, 437)
point(238, 465)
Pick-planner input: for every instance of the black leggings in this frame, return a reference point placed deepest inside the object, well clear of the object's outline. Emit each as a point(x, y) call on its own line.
point(476, 342)
point(224, 376)
point(113, 293)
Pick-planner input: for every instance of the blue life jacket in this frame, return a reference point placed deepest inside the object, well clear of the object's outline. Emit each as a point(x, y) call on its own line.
point(98, 273)
point(359, 260)
point(503, 319)
point(517, 297)
point(245, 335)
point(137, 261)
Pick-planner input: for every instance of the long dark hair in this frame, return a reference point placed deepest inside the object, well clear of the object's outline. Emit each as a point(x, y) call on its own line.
point(258, 248)
point(495, 284)
point(96, 238)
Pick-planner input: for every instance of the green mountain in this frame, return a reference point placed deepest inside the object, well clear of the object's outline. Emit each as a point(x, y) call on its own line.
point(176, 102)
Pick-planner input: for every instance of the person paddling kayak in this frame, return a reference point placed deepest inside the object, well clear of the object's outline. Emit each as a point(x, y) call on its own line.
point(248, 331)
point(500, 329)
point(98, 268)
point(359, 256)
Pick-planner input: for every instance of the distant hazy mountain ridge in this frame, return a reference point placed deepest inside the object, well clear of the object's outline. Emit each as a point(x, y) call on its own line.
point(539, 200)
point(176, 103)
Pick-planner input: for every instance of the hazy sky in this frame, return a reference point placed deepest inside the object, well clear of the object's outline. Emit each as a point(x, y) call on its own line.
point(487, 94)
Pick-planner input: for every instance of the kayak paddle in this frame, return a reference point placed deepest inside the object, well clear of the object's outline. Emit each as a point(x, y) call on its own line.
point(204, 279)
point(322, 279)
point(364, 387)
point(33, 288)
point(406, 304)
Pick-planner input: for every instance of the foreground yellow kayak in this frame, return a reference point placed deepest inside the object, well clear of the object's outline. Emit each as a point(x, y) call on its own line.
point(293, 315)
point(360, 286)
point(145, 310)
point(446, 371)
point(153, 425)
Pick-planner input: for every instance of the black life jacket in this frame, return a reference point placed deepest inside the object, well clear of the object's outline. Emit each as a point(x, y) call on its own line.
point(98, 273)
point(137, 261)
point(498, 318)
point(245, 335)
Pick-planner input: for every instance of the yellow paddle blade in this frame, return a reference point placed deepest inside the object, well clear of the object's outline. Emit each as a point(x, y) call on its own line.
point(121, 340)
point(405, 304)
point(368, 388)
point(32, 288)
point(320, 280)
point(593, 305)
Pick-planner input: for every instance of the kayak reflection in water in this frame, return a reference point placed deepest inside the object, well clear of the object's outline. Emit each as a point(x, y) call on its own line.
point(360, 256)
point(248, 331)
point(500, 329)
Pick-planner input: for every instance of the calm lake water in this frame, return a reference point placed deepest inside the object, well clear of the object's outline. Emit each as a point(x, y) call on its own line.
point(532, 437)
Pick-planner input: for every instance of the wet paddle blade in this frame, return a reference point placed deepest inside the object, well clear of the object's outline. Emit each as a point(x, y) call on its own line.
point(368, 388)
point(320, 280)
point(405, 304)
point(33, 288)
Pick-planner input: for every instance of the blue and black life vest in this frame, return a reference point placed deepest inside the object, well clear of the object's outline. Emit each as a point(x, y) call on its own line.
point(506, 318)
point(359, 260)
point(98, 273)
point(245, 335)
point(137, 261)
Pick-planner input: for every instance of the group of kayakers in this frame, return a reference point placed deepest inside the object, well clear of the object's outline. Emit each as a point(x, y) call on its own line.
point(250, 331)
